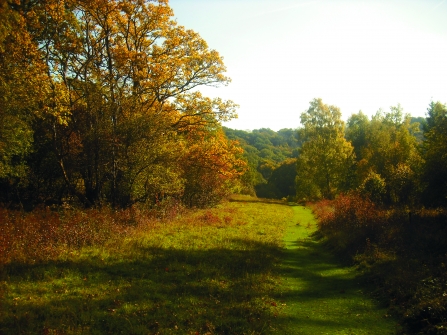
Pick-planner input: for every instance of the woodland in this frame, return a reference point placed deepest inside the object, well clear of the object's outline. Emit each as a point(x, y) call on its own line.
point(102, 124)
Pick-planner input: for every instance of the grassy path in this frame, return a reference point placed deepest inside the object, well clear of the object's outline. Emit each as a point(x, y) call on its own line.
point(319, 295)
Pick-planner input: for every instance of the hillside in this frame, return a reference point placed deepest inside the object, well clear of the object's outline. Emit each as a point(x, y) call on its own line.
point(271, 157)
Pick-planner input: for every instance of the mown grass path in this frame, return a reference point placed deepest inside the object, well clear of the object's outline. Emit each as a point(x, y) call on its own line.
point(318, 294)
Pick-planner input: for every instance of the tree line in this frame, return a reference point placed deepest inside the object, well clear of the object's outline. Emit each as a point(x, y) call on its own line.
point(99, 104)
point(386, 180)
point(388, 158)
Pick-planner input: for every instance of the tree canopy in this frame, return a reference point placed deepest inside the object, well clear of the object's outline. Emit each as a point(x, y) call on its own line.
point(388, 161)
point(434, 173)
point(391, 158)
point(268, 154)
point(100, 103)
point(325, 160)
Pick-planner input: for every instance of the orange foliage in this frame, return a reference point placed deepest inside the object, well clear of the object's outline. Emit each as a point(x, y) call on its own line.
point(211, 165)
point(115, 86)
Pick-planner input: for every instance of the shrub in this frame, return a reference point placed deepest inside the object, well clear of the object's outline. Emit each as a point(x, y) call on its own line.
point(350, 223)
point(374, 187)
point(404, 254)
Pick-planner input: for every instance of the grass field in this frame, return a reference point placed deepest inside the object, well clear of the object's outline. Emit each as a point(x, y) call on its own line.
point(218, 271)
point(206, 272)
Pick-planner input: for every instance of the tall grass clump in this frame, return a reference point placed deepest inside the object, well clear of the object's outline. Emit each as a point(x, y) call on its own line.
point(44, 234)
point(402, 253)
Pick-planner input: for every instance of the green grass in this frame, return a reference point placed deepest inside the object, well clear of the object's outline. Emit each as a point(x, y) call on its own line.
point(209, 272)
point(319, 294)
point(218, 271)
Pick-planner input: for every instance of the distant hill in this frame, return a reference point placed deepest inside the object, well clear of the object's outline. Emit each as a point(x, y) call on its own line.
point(270, 156)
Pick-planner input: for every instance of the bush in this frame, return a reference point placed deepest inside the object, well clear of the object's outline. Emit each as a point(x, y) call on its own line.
point(350, 223)
point(402, 253)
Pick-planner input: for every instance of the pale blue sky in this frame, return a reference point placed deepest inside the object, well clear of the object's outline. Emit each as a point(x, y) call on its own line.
point(355, 54)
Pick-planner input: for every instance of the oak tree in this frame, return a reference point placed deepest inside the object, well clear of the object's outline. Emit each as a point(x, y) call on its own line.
point(115, 85)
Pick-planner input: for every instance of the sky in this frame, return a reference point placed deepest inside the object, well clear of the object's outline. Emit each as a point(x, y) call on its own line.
point(355, 54)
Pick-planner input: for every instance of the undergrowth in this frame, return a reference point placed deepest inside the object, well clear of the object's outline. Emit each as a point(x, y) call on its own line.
point(402, 253)
point(138, 272)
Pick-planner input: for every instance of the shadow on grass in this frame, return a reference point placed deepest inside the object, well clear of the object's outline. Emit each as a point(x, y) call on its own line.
point(215, 291)
point(154, 290)
point(321, 296)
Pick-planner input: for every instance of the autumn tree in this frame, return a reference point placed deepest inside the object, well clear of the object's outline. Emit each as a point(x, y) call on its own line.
point(325, 161)
point(23, 98)
point(126, 72)
point(120, 93)
point(211, 165)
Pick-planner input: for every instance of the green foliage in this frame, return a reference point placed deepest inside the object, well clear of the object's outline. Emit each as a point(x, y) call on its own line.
point(16, 140)
point(387, 154)
point(419, 132)
point(266, 151)
point(325, 160)
point(356, 130)
point(281, 183)
point(435, 155)
point(19, 86)
point(373, 187)
point(401, 252)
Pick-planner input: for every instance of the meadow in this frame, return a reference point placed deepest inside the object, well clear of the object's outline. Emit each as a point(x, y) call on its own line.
point(189, 272)
point(322, 295)
point(247, 266)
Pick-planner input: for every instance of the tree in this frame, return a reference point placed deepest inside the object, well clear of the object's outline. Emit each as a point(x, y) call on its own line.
point(282, 180)
point(23, 92)
point(356, 129)
point(388, 160)
point(211, 166)
point(435, 155)
point(326, 159)
point(120, 83)
point(275, 148)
